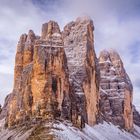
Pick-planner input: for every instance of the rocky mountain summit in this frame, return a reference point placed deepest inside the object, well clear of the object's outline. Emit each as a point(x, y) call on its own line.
point(58, 78)
point(116, 90)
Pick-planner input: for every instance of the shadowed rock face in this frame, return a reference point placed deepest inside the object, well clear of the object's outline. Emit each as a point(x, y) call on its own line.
point(82, 65)
point(115, 90)
point(57, 75)
point(136, 116)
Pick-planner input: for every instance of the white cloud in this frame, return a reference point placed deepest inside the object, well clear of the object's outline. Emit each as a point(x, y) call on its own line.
point(6, 83)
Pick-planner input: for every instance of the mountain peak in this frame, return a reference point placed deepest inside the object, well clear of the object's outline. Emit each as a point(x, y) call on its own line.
point(58, 77)
point(49, 28)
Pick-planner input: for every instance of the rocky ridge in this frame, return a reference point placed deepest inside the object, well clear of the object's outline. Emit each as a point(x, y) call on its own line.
point(58, 77)
point(116, 90)
point(41, 86)
point(83, 69)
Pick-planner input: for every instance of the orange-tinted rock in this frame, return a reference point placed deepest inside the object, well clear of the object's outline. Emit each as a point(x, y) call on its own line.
point(57, 75)
point(49, 28)
point(136, 116)
point(41, 87)
point(50, 83)
point(19, 61)
point(116, 90)
point(28, 48)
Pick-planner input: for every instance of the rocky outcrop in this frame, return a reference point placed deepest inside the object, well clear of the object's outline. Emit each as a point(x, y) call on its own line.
point(57, 76)
point(115, 90)
point(136, 116)
point(50, 85)
point(41, 86)
point(45, 86)
point(5, 107)
point(83, 73)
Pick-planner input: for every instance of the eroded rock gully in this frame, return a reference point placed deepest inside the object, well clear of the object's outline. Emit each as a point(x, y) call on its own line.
point(57, 75)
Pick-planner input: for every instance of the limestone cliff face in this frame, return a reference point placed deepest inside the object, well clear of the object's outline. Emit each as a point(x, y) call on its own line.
point(115, 90)
point(41, 86)
point(50, 85)
point(83, 74)
point(57, 75)
point(136, 116)
point(45, 85)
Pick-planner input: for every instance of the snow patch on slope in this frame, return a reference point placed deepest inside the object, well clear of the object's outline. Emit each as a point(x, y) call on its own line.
point(105, 131)
point(66, 131)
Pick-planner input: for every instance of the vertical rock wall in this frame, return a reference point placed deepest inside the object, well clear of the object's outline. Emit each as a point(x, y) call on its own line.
point(41, 86)
point(82, 65)
point(58, 75)
point(115, 90)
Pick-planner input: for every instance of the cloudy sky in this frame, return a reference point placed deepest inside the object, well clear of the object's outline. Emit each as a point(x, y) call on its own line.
point(117, 25)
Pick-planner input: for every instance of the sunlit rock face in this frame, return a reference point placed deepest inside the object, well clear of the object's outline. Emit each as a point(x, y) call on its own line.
point(41, 86)
point(45, 85)
point(83, 73)
point(57, 76)
point(136, 116)
point(115, 90)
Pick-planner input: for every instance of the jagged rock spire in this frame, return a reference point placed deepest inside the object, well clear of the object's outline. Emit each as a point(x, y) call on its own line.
point(82, 65)
point(41, 86)
point(57, 75)
point(115, 90)
point(49, 28)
